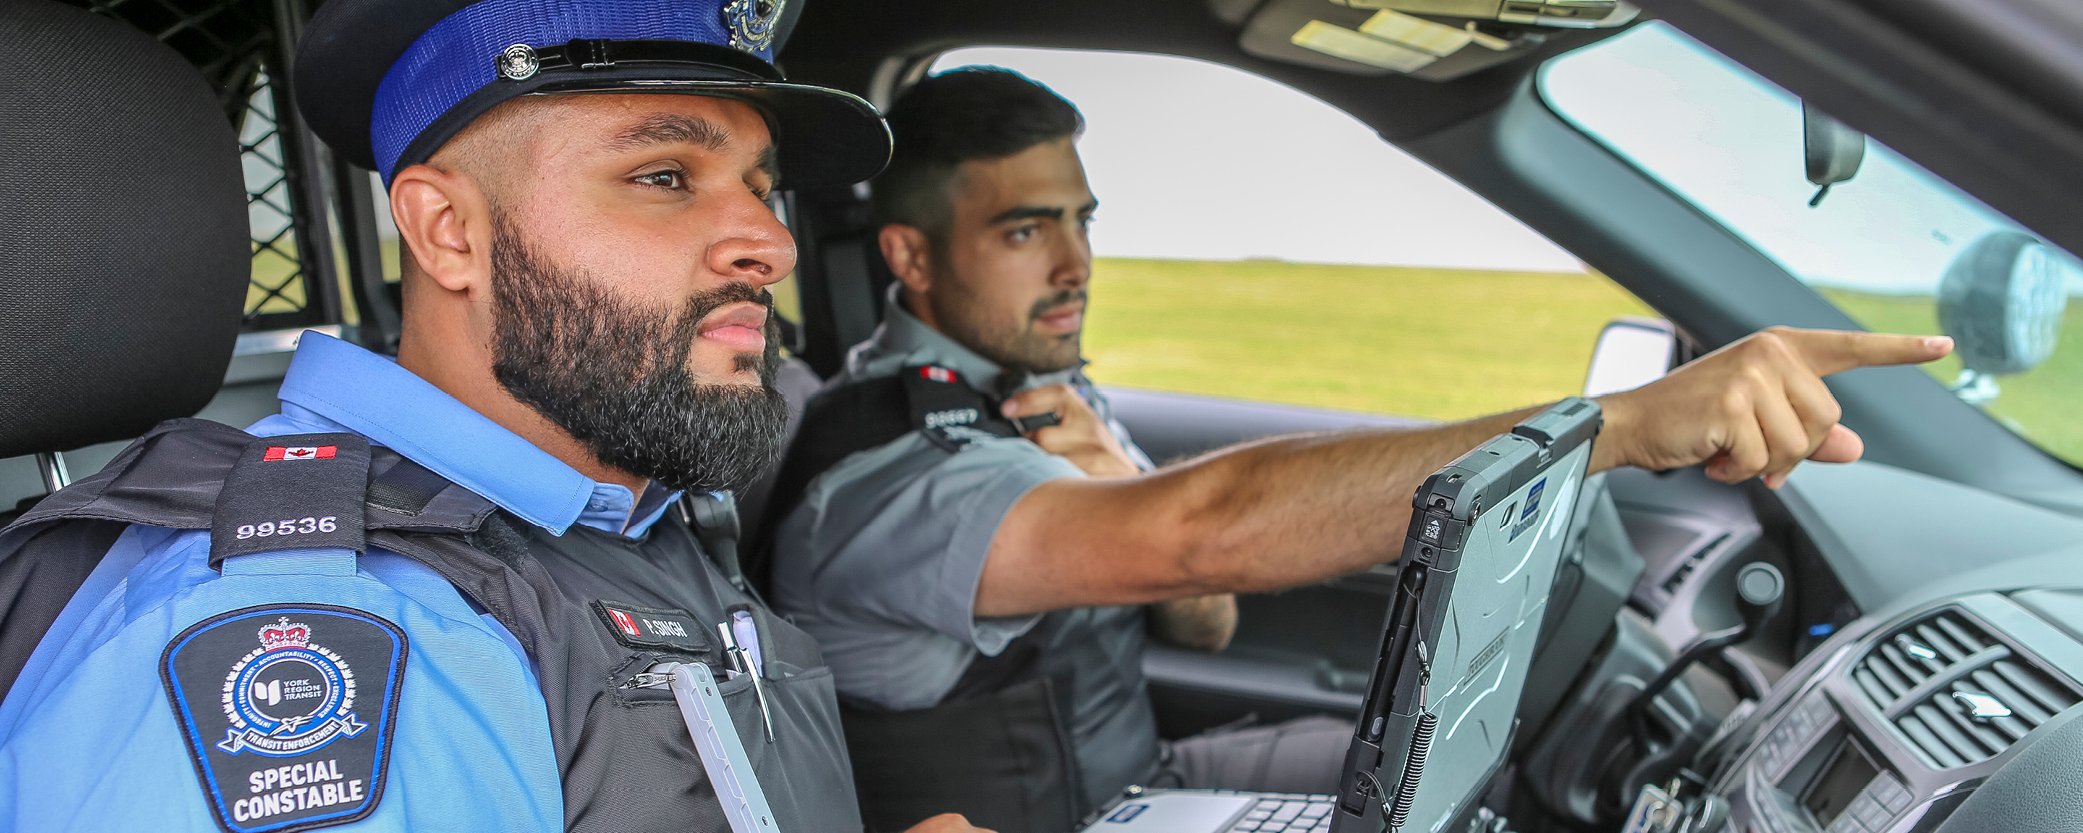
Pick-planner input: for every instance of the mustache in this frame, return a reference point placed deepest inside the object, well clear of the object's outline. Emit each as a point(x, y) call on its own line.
point(699, 306)
point(1043, 306)
point(688, 324)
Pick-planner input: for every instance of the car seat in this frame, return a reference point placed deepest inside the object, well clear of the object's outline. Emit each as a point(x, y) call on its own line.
point(123, 255)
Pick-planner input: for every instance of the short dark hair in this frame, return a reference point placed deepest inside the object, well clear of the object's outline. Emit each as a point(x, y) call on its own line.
point(961, 115)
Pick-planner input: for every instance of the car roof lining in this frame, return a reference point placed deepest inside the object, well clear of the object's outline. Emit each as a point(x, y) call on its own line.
point(1995, 124)
point(845, 42)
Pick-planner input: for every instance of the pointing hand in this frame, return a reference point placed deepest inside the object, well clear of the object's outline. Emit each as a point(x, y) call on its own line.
point(1757, 407)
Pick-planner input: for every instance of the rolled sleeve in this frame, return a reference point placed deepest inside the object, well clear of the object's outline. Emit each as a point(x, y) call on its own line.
point(1001, 477)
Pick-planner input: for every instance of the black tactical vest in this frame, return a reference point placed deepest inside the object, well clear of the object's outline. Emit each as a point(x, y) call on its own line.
point(626, 759)
point(1028, 741)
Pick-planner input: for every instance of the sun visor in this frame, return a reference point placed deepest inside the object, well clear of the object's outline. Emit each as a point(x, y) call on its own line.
point(1381, 37)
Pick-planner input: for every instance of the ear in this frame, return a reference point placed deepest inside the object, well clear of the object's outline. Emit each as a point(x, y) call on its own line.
point(909, 255)
point(445, 222)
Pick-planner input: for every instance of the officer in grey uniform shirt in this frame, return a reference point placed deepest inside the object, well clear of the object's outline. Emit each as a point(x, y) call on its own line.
point(882, 557)
point(908, 623)
point(981, 548)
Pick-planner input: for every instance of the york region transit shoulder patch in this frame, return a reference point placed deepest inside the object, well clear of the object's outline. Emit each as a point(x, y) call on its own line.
point(288, 711)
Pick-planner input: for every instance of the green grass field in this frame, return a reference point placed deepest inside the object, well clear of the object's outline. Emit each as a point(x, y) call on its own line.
point(1361, 338)
point(1388, 339)
point(2042, 404)
point(1393, 339)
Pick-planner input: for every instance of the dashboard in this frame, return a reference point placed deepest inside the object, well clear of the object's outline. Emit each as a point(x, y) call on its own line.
point(1894, 723)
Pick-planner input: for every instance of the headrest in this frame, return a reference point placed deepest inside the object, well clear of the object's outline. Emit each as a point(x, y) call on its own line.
point(123, 241)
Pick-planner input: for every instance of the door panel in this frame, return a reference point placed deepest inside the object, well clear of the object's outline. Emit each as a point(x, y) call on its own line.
point(1173, 426)
point(1302, 651)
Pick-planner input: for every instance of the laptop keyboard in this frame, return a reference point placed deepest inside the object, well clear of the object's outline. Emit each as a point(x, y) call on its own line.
point(1287, 814)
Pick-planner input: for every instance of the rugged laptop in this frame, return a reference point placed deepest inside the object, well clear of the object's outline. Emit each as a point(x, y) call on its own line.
point(1486, 535)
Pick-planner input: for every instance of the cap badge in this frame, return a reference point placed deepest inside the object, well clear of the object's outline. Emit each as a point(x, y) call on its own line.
point(518, 62)
point(751, 23)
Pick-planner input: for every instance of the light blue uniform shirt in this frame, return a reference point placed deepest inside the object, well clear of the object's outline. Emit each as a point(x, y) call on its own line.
point(88, 740)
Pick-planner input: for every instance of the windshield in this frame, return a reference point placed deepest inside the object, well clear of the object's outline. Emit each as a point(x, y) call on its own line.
point(1895, 247)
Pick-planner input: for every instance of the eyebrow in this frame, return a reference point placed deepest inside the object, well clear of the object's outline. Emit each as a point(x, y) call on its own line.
point(672, 128)
point(676, 128)
point(1031, 212)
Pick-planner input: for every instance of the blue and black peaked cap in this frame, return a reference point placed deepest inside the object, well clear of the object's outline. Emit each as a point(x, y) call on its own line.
point(387, 82)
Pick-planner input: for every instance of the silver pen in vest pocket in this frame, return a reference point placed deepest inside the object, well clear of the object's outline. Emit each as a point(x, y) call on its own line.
point(742, 662)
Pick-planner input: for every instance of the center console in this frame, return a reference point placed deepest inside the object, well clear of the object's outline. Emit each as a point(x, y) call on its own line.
point(1893, 723)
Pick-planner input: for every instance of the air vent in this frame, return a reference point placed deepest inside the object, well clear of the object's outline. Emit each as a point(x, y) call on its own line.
point(1916, 653)
point(1955, 693)
point(1974, 718)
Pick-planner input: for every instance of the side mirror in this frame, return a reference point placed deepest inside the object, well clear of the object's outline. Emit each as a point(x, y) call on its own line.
point(1833, 150)
point(2001, 300)
point(1631, 352)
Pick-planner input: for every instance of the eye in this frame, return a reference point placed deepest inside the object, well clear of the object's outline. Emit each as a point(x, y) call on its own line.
point(669, 179)
point(1022, 234)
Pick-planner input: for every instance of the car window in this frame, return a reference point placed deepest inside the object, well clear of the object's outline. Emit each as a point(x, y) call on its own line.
point(1236, 258)
point(1895, 247)
point(276, 292)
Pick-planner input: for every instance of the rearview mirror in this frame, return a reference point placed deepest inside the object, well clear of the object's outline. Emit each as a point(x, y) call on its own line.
point(1833, 150)
point(1631, 352)
point(2001, 300)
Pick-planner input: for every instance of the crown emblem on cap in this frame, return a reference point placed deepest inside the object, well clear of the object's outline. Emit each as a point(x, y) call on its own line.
point(285, 634)
point(518, 62)
point(751, 23)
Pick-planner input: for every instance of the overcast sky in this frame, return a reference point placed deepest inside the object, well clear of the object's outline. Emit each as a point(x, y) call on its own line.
point(1198, 160)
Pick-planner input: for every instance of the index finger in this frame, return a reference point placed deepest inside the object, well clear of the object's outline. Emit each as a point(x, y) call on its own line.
point(1836, 351)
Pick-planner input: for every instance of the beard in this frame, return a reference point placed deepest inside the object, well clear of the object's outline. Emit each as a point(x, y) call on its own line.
point(1016, 347)
point(617, 376)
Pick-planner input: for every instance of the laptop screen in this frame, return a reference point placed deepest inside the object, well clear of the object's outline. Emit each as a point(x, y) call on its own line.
point(1473, 589)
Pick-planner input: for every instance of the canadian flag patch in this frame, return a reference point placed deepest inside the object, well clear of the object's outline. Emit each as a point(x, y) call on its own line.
point(937, 374)
point(300, 452)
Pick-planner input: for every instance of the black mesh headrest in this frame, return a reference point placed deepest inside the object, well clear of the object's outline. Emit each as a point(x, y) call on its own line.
point(123, 242)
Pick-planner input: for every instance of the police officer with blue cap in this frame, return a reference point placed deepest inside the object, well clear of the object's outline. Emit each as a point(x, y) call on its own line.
point(458, 589)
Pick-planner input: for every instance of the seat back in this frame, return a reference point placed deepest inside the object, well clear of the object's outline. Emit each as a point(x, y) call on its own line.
point(797, 383)
point(123, 247)
point(123, 258)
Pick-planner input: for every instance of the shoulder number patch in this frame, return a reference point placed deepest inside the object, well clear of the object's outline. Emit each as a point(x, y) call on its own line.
point(288, 711)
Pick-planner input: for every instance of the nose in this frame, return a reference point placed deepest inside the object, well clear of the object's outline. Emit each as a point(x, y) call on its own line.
point(755, 247)
point(1074, 260)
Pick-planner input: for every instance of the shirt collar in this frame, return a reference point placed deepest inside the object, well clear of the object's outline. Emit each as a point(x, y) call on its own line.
point(333, 383)
point(902, 339)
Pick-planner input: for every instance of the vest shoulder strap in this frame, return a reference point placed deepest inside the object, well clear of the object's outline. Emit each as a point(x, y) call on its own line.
point(169, 477)
point(255, 495)
point(301, 491)
point(846, 419)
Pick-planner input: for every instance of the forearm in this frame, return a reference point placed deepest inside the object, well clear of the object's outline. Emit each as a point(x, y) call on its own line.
point(1294, 511)
point(1269, 515)
point(1197, 623)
